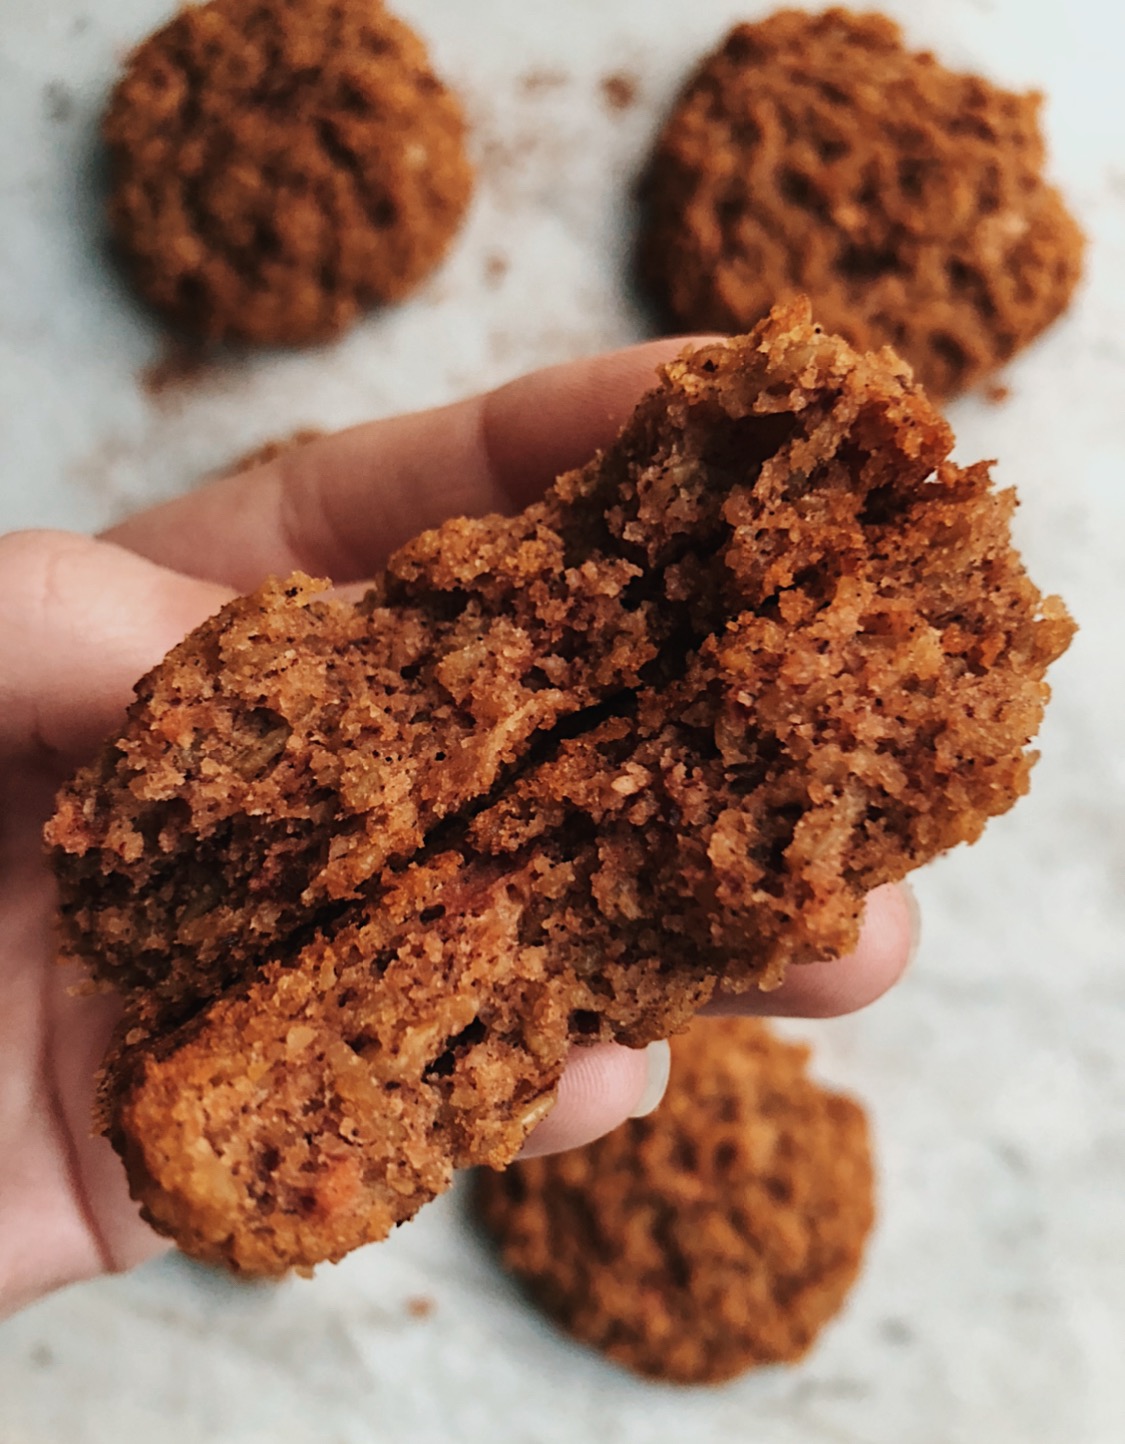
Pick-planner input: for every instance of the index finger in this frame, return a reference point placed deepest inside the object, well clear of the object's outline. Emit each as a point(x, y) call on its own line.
point(338, 506)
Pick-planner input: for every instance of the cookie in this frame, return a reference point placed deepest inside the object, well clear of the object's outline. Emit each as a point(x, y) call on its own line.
point(814, 153)
point(720, 1233)
point(280, 165)
point(363, 874)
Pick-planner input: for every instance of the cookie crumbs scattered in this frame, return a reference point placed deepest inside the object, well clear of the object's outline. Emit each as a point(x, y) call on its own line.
point(270, 450)
point(537, 82)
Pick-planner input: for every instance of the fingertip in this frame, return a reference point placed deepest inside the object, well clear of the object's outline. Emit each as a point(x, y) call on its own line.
point(601, 1087)
point(658, 1060)
point(552, 420)
point(888, 941)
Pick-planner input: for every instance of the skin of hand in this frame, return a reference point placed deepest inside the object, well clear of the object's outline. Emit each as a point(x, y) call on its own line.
point(81, 619)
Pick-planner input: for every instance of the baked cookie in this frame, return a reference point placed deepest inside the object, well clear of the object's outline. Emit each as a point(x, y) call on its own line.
point(363, 874)
point(719, 1233)
point(279, 165)
point(813, 153)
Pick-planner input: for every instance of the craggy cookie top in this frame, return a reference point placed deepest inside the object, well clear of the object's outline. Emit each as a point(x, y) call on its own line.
point(278, 165)
point(363, 874)
point(721, 1232)
point(816, 154)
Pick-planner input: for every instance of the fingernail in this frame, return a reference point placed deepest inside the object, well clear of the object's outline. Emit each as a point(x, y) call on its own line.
point(658, 1065)
point(914, 912)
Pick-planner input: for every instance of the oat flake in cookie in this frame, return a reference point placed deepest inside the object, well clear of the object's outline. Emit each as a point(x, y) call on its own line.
point(720, 1233)
point(364, 873)
point(279, 165)
point(813, 153)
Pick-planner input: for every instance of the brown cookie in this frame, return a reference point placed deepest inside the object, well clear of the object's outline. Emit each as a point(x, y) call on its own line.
point(813, 153)
point(364, 873)
point(279, 165)
point(719, 1233)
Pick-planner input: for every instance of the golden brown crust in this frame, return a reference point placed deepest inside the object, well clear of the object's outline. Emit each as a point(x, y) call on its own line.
point(816, 154)
point(720, 1233)
point(558, 776)
point(279, 166)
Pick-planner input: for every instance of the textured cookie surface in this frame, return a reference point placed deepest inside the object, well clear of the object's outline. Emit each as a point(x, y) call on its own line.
point(719, 1233)
point(364, 873)
point(816, 154)
point(278, 165)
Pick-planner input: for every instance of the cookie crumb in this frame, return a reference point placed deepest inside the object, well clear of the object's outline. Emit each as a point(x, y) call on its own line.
point(42, 1356)
point(420, 1306)
point(619, 90)
point(538, 82)
point(996, 393)
point(496, 267)
point(270, 450)
point(179, 365)
point(58, 102)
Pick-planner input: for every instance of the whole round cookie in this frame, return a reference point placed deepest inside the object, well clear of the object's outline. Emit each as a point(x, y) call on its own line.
point(719, 1233)
point(814, 153)
point(279, 165)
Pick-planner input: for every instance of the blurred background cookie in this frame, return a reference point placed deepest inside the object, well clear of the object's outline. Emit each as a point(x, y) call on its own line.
point(721, 1232)
point(279, 165)
point(815, 153)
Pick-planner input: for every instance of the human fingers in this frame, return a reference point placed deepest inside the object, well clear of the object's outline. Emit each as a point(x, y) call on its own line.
point(80, 621)
point(601, 1087)
point(887, 941)
point(604, 1085)
point(339, 505)
point(80, 1030)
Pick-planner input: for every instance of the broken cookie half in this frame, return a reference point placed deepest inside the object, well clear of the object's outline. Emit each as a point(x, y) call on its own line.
point(364, 874)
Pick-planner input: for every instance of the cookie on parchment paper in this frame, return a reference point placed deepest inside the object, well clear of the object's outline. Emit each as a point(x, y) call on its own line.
point(280, 165)
point(815, 153)
point(720, 1233)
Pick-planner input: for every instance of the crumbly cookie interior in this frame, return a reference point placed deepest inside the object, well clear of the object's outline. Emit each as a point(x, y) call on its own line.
point(364, 874)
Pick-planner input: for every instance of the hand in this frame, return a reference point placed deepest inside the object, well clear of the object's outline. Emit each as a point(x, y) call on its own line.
point(81, 620)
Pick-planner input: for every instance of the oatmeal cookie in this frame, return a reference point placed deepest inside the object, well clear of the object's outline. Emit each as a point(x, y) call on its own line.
point(719, 1233)
point(363, 874)
point(814, 153)
point(279, 165)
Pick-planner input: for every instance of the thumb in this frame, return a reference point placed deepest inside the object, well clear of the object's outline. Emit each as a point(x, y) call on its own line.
point(80, 621)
